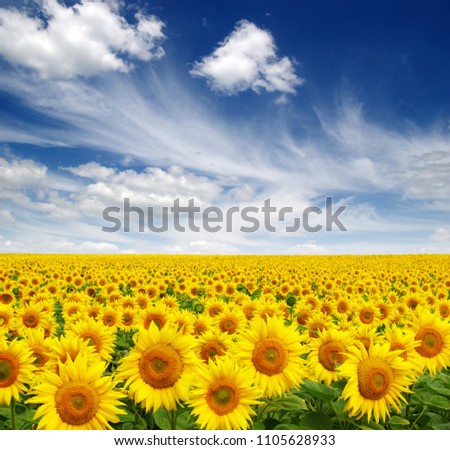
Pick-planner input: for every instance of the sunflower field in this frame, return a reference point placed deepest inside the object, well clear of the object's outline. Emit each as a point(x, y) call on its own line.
point(224, 342)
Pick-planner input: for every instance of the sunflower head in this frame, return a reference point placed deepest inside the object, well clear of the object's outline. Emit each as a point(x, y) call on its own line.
point(376, 381)
point(433, 334)
point(223, 395)
point(78, 398)
point(16, 369)
point(158, 370)
point(271, 351)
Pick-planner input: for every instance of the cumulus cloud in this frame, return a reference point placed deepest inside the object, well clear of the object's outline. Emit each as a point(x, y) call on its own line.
point(34, 188)
point(91, 170)
point(152, 186)
point(17, 174)
point(84, 39)
point(247, 59)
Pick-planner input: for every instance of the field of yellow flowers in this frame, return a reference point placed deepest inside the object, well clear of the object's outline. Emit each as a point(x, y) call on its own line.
point(224, 342)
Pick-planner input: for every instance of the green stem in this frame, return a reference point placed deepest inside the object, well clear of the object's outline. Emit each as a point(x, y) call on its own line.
point(320, 405)
point(408, 406)
point(258, 417)
point(13, 414)
point(418, 418)
point(173, 421)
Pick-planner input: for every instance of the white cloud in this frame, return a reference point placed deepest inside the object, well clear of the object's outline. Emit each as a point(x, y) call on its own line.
point(92, 170)
point(434, 249)
point(211, 247)
point(152, 186)
point(373, 157)
point(441, 234)
point(84, 39)
point(56, 245)
point(247, 59)
point(19, 174)
point(307, 248)
point(429, 173)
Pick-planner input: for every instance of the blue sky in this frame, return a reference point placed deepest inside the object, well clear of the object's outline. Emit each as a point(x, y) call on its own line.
point(228, 103)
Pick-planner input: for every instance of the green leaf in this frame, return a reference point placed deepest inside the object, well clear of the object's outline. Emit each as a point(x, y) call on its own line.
point(398, 421)
point(319, 390)
point(315, 421)
point(289, 402)
point(370, 426)
point(126, 417)
point(161, 419)
point(338, 408)
point(184, 420)
point(128, 426)
point(286, 426)
point(258, 425)
point(441, 426)
point(437, 388)
point(433, 419)
point(444, 379)
point(436, 401)
point(5, 412)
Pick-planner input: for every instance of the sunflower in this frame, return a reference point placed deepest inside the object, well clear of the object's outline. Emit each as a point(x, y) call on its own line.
point(127, 319)
point(223, 395)
point(212, 344)
point(214, 307)
point(97, 336)
point(327, 352)
point(367, 314)
point(267, 306)
point(248, 308)
point(318, 322)
point(403, 339)
point(78, 398)
point(443, 308)
point(16, 369)
point(303, 313)
point(6, 298)
point(367, 335)
point(170, 301)
point(158, 314)
point(142, 301)
point(40, 347)
point(342, 308)
point(128, 302)
point(183, 320)
point(230, 320)
point(31, 316)
point(6, 318)
point(69, 347)
point(110, 317)
point(376, 380)
point(202, 323)
point(271, 351)
point(434, 336)
point(158, 370)
point(72, 311)
point(92, 311)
